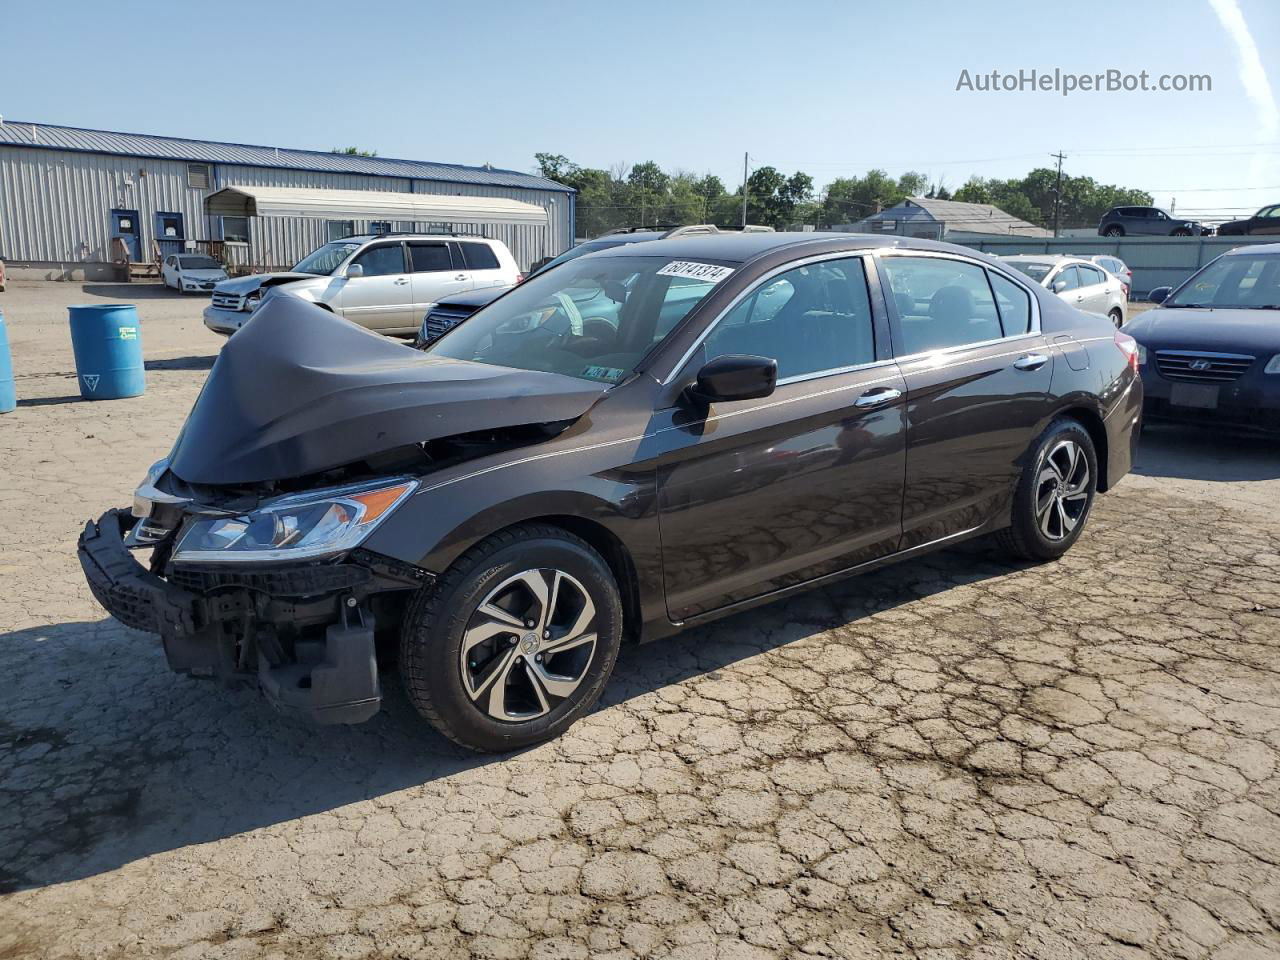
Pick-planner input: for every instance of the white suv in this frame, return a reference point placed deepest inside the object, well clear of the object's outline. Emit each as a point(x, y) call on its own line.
point(386, 283)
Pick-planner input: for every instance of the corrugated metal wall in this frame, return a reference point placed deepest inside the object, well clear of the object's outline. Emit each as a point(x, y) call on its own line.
point(55, 206)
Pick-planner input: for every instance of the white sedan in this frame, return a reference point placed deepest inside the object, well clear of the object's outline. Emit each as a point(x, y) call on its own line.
point(1084, 285)
point(191, 272)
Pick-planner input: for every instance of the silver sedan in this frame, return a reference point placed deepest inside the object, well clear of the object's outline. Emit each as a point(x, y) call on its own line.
point(1084, 285)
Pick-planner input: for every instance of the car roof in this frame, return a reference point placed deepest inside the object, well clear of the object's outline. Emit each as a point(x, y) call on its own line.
point(741, 247)
point(1045, 258)
point(396, 235)
point(1263, 248)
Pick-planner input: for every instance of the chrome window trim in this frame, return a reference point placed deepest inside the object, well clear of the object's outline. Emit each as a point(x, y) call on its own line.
point(859, 253)
point(1010, 275)
point(835, 371)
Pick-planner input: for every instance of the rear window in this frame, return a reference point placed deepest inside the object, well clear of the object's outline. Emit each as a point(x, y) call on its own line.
point(1036, 271)
point(479, 256)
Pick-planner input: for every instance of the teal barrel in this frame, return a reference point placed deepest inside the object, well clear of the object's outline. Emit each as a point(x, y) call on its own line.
point(107, 342)
point(8, 395)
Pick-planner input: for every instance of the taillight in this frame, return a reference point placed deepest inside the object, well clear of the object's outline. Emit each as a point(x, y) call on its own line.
point(1129, 347)
point(519, 279)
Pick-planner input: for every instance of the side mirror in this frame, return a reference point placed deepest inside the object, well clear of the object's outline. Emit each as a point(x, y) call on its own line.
point(1059, 286)
point(355, 270)
point(1159, 294)
point(735, 377)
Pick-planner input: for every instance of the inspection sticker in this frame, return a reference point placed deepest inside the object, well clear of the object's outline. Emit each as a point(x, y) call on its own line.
point(707, 272)
point(611, 374)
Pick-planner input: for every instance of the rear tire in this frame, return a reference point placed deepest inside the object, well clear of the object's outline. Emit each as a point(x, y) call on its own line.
point(1054, 496)
point(1117, 317)
point(1113, 231)
point(1180, 232)
point(515, 641)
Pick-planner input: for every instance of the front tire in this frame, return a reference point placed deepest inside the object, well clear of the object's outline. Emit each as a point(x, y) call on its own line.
point(515, 642)
point(1054, 495)
point(1113, 231)
point(1117, 318)
point(1180, 232)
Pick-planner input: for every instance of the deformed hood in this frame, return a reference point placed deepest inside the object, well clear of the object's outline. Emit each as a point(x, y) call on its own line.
point(299, 390)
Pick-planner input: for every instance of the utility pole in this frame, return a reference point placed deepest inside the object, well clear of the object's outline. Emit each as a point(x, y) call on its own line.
point(1173, 206)
point(1057, 192)
point(744, 191)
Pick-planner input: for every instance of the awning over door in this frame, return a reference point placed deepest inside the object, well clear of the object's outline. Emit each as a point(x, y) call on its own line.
point(369, 205)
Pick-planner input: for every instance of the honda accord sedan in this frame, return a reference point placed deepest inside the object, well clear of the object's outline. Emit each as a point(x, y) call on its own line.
point(638, 441)
point(1211, 351)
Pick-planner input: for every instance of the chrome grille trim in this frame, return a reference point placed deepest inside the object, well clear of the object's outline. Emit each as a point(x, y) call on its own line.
point(1217, 367)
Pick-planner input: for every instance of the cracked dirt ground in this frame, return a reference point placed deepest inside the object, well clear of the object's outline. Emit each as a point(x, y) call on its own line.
point(952, 758)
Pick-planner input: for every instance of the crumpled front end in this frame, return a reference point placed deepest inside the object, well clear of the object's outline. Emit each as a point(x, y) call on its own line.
point(304, 632)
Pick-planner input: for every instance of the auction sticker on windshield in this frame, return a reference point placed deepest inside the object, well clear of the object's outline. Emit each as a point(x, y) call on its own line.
point(706, 272)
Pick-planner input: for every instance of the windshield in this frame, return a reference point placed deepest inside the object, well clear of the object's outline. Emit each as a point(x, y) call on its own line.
point(1035, 270)
point(1250, 282)
point(324, 261)
point(593, 318)
point(581, 250)
point(199, 263)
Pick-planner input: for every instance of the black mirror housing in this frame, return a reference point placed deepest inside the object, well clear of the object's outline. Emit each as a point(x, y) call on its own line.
point(735, 377)
point(1159, 294)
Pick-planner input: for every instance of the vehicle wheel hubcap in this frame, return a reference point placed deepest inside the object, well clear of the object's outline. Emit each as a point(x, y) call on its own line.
point(1062, 490)
point(528, 645)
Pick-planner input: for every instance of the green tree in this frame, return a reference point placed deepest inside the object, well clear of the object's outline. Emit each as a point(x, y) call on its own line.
point(354, 152)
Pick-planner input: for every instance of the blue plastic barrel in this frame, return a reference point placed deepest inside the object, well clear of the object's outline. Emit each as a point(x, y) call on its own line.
point(107, 342)
point(8, 395)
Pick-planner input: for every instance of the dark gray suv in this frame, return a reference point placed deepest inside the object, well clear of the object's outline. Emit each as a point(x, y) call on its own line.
point(1147, 222)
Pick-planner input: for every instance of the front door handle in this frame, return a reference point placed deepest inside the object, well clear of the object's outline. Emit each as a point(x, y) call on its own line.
point(1031, 361)
point(461, 276)
point(401, 281)
point(877, 397)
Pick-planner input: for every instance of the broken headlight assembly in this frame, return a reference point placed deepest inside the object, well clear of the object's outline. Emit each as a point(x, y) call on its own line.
point(308, 525)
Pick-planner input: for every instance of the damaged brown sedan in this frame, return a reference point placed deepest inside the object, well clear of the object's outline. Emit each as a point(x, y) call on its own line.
point(636, 441)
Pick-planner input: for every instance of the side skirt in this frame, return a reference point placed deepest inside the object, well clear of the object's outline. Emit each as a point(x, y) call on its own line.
point(663, 628)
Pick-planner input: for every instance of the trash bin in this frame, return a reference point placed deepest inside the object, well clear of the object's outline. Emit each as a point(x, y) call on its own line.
point(8, 395)
point(107, 342)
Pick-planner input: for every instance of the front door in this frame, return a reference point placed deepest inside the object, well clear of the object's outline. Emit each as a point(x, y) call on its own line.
point(379, 299)
point(758, 495)
point(437, 273)
point(125, 227)
point(1266, 222)
point(977, 372)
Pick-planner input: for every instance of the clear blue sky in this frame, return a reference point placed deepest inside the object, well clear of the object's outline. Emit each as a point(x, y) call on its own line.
point(829, 88)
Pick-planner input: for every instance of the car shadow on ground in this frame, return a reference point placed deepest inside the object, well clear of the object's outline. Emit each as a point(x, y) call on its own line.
point(106, 757)
point(1191, 452)
point(202, 362)
point(129, 292)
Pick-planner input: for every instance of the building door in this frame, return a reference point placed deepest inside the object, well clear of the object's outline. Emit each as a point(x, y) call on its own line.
point(124, 225)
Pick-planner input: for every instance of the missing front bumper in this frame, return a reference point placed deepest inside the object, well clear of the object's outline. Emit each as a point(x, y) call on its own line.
point(333, 679)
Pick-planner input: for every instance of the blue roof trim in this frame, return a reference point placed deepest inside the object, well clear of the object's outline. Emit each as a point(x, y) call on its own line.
point(83, 140)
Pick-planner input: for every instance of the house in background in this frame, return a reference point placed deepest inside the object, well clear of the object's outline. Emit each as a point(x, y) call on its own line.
point(944, 220)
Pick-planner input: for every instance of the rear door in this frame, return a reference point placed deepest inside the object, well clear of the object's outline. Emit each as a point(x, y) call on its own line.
point(1093, 294)
point(438, 272)
point(977, 372)
point(482, 263)
point(758, 495)
point(379, 299)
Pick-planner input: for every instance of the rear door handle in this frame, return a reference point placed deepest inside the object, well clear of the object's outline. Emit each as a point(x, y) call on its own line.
point(461, 276)
point(1031, 361)
point(877, 397)
point(401, 281)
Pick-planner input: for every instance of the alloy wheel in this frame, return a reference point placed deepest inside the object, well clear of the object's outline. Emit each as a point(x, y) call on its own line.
point(1062, 490)
point(528, 645)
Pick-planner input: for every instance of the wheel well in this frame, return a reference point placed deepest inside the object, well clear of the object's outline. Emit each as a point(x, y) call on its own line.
point(616, 555)
point(1097, 433)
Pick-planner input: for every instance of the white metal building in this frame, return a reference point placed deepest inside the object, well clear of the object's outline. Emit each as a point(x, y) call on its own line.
point(73, 201)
